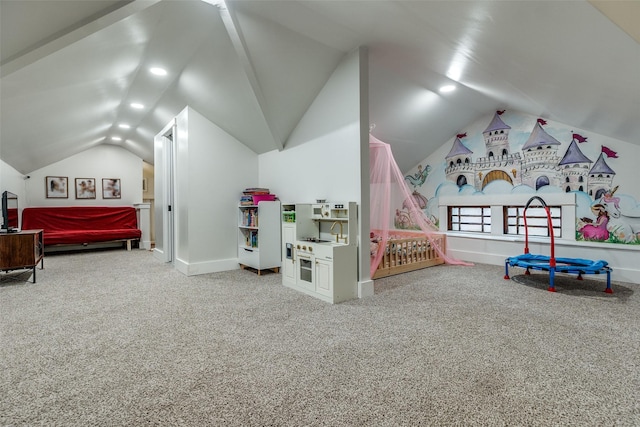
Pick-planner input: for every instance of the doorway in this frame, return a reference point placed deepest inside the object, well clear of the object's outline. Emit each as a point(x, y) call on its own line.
point(163, 212)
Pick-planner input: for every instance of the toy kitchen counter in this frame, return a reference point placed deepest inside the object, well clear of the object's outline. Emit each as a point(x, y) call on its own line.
point(320, 250)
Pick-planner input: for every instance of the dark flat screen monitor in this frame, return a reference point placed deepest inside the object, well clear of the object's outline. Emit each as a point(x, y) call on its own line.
point(9, 212)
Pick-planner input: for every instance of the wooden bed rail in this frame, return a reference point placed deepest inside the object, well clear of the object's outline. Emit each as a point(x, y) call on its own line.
point(410, 253)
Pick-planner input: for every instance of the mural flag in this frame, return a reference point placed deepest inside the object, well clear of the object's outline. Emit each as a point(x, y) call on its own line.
point(542, 121)
point(579, 137)
point(461, 135)
point(500, 112)
point(609, 152)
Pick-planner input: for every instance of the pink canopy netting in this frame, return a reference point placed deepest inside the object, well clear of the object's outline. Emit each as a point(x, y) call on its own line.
point(387, 183)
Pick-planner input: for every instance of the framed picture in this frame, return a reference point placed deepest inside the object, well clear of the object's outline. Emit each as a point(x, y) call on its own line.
point(56, 187)
point(85, 188)
point(110, 188)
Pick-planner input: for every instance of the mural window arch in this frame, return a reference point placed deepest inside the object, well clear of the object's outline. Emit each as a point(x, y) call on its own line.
point(541, 182)
point(462, 180)
point(496, 175)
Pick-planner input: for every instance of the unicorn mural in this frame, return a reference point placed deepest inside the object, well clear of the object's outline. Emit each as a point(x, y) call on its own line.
point(625, 228)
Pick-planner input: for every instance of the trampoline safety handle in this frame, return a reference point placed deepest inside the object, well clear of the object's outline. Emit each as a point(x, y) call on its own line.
point(552, 258)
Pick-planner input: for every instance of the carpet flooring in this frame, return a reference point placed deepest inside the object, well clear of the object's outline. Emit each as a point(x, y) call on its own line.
point(116, 338)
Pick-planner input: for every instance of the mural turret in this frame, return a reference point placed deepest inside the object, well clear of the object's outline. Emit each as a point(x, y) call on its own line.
point(540, 158)
point(496, 137)
point(499, 163)
point(600, 178)
point(575, 167)
point(459, 166)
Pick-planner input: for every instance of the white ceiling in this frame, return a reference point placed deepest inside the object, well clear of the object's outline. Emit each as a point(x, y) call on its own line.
point(70, 69)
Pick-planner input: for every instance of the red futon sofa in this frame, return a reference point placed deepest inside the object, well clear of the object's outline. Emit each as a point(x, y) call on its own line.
point(83, 224)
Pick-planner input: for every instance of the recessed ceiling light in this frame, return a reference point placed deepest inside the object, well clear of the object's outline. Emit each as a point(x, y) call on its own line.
point(137, 105)
point(447, 88)
point(158, 71)
point(116, 138)
point(124, 126)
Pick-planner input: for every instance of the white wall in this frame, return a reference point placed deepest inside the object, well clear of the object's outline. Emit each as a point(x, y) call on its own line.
point(103, 161)
point(321, 159)
point(13, 181)
point(326, 156)
point(212, 170)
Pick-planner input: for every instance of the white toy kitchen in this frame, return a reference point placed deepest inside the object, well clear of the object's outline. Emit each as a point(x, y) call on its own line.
point(319, 253)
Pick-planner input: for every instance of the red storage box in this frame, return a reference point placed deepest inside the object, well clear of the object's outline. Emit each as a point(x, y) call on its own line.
point(262, 197)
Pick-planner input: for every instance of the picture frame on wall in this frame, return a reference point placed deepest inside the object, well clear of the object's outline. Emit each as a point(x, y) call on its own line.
point(85, 188)
point(111, 188)
point(56, 187)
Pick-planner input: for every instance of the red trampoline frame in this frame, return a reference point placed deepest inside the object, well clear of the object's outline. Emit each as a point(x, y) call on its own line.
point(552, 264)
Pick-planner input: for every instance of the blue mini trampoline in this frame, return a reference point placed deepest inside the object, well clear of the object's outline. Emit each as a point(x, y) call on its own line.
point(551, 263)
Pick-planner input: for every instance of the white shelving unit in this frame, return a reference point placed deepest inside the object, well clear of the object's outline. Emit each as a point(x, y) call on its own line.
point(259, 236)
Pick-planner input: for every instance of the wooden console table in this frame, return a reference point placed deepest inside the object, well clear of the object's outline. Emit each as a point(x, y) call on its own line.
point(22, 250)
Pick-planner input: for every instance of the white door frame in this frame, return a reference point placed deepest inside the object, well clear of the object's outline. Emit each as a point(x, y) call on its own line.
point(164, 192)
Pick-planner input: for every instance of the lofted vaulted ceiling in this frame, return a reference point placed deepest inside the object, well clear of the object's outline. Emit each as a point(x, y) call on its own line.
point(71, 69)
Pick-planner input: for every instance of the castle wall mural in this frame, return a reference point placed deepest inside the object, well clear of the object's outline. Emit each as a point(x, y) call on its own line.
point(516, 153)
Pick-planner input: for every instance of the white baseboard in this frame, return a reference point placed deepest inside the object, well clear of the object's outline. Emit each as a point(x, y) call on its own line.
point(215, 266)
point(158, 254)
point(365, 289)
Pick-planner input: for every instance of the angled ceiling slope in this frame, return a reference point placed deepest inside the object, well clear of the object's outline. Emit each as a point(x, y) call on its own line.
point(71, 69)
point(73, 92)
